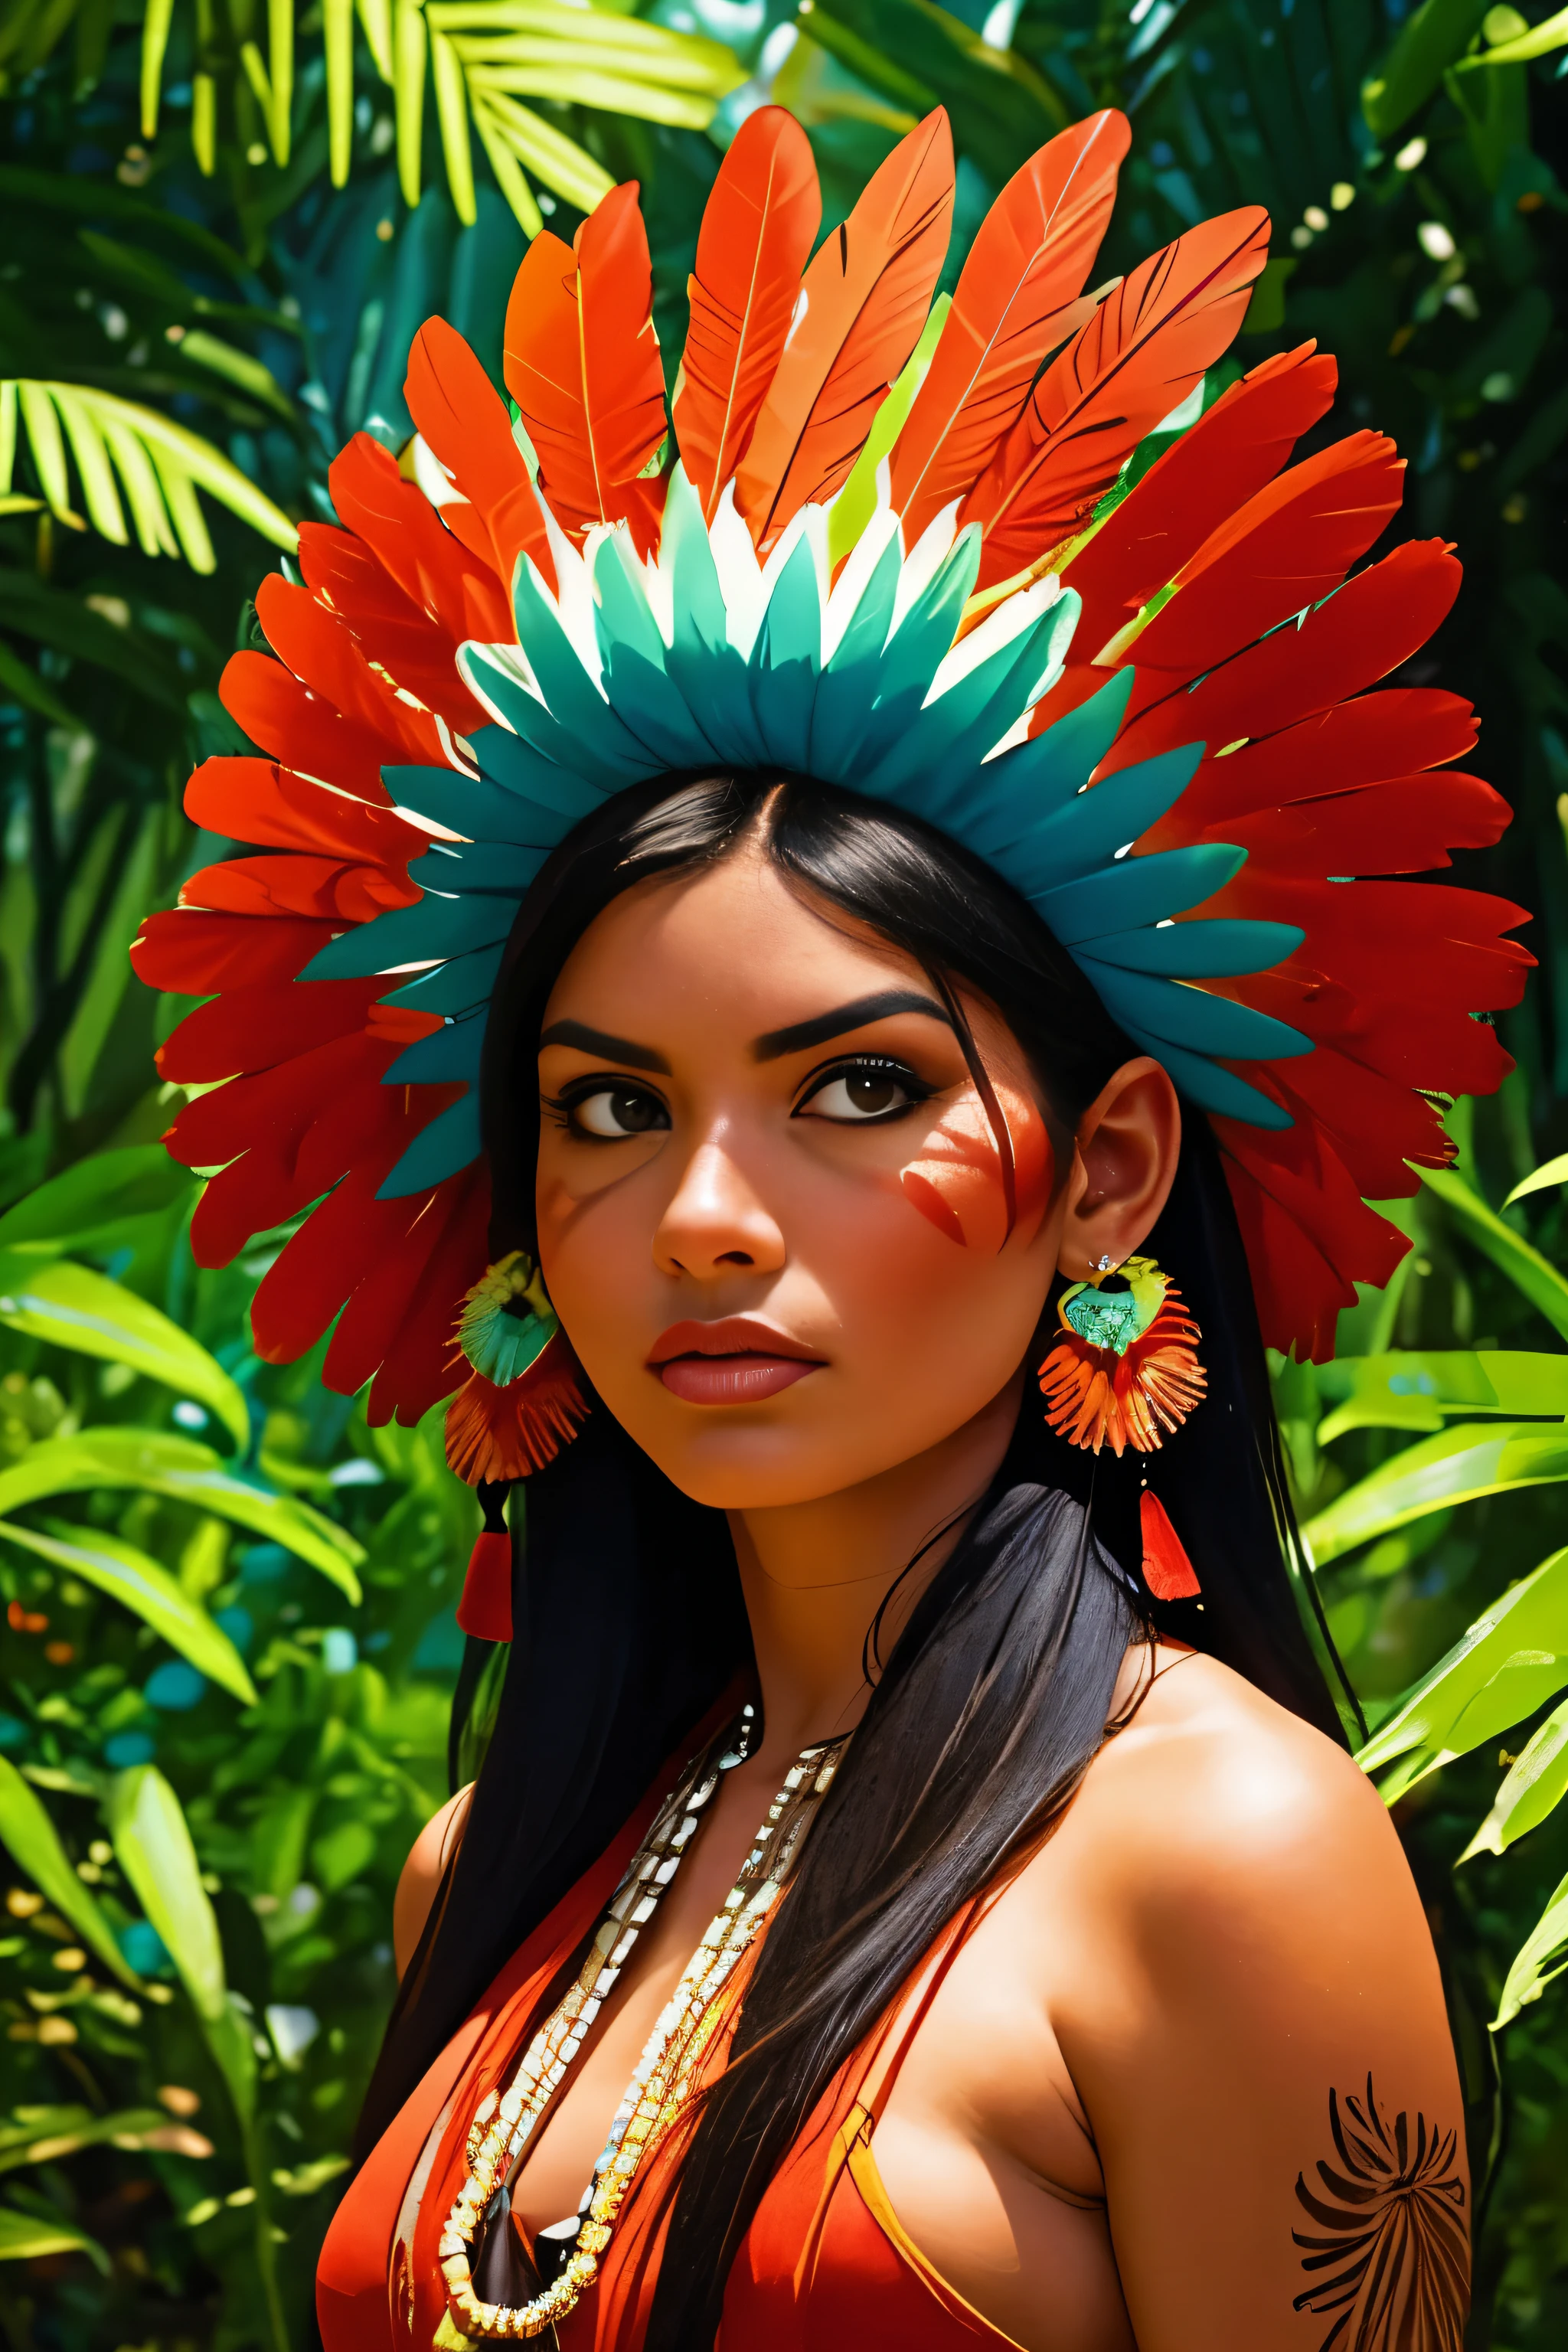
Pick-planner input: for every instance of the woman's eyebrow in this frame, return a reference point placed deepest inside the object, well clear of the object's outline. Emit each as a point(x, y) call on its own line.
point(802, 1034)
point(597, 1041)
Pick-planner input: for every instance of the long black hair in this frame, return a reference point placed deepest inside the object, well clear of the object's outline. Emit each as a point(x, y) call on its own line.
point(995, 1696)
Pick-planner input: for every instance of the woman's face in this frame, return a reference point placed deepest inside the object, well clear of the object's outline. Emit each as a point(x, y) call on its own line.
point(772, 1213)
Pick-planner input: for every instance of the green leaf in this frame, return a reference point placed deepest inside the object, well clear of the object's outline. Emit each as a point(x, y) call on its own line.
point(1528, 1976)
point(1411, 1389)
point(1541, 1179)
point(98, 1203)
point(1508, 1663)
point(71, 1307)
point(1430, 41)
point(1538, 41)
point(129, 1576)
point(36, 1848)
point(24, 2237)
point(1456, 1466)
point(153, 1846)
point(1525, 1267)
point(187, 1471)
point(1536, 1783)
point(41, 2134)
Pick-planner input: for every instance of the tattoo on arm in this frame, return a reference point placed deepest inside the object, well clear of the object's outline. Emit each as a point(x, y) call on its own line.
point(1389, 2258)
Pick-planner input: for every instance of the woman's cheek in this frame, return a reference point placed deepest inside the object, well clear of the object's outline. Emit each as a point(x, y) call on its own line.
point(958, 1181)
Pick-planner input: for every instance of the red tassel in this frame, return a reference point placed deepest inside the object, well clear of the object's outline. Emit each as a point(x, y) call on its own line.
point(1167, 1571)
point(484, 1608)
point(503, 1434)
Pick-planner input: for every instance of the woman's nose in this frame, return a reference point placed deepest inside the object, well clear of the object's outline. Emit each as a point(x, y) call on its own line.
point(716, 1221)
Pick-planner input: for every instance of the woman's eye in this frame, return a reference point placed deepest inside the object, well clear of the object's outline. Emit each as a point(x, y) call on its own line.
point(612, 1113)
point(857, 1096)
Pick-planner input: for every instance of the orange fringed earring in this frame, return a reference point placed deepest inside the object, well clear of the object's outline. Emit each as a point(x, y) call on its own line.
point(1125, 1369)
point(521, 1402)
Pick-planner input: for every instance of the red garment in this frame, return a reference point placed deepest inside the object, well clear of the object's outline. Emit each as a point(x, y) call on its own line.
point(825, 2267)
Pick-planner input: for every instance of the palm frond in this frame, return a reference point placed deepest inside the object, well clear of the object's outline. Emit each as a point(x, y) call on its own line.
point(125, 456)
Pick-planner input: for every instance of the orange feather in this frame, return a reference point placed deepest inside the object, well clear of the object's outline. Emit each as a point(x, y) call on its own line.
point(758, 230)
point(464, 422)
point(581, 360)
point(862, 305)
point(1014, 302)
point(1146, 346)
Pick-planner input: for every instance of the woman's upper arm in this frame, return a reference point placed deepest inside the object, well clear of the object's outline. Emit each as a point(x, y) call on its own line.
point(1272, 2088)
point(428, 1857)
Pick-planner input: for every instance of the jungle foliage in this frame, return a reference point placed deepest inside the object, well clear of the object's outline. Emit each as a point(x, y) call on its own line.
point(228, 1645)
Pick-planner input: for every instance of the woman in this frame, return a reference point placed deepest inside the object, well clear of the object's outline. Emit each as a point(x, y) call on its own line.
point(916, 1880)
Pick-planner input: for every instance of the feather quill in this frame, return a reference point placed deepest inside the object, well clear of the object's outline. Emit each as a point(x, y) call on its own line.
point(1015, 300)
point(861, 307)
point(581, 360)
point(1146, 346)
point(758, 230)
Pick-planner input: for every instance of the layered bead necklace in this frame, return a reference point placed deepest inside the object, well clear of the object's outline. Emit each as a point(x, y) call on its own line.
point(672, 2061)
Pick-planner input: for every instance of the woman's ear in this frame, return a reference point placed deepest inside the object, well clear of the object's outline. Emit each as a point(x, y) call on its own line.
point(1124, 1163)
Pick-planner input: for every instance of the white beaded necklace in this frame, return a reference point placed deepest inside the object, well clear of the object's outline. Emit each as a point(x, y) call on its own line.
point(670, 2061)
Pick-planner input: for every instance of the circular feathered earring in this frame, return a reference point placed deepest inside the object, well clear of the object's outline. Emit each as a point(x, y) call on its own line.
point(1125, 1370)
point(521, 1403)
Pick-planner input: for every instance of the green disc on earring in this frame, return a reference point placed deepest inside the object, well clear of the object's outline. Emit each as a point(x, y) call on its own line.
point(1114, 1318)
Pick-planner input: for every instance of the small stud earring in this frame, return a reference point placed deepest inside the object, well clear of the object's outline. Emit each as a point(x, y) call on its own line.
point(1104, 1264)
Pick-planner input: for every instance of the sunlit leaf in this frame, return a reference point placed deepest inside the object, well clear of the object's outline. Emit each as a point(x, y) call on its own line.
point(1510, 1662)
point(34, 1846)
point(130, 1576)
point(97, 1203)
point(1528, 1977)
point(1456, 1466)
point(187, 1471)
point(153, 1846)
point(1541, 1179)
point(50, 2133)
point(1418, 1389)
point(1525, 1267)
point(24, 2237)
point(1537, 1782)
point(71, 1307)
point(1429, 41)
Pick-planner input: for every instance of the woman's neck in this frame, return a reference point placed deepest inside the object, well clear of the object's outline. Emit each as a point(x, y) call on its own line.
point(815, 1574)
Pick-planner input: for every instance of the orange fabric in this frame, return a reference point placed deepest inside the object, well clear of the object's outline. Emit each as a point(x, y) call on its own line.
point(824, 2265)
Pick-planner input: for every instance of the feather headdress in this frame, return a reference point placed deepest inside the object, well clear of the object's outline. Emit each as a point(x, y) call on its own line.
point(895, 555)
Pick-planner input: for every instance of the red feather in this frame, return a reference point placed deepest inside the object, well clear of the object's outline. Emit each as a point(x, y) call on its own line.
point(1216, 467)
point(1289, 547)
point(302, 730)
point(192, 954)
point(436, 571)
point(582, 363)
point(256, 801)
point(1015, 300)
point(418, 1369)
point(341, 572)
point(255, 1028)
point(758, 229)
point(862, 305)
point(332, 888)
point(1137, 359)
point(464, 422)
point(1355, 743)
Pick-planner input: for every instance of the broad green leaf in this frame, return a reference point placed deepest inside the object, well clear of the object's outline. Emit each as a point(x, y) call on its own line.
point(187, 1471)
point(24, 2237)
point(92, 1204)
point(1456, 1466)
point(1416, 1390)
point(36, 1848)
point(1428, 42)
point(1541, 1179)
point(1530, 1976)
point(71, 1307)
point(130, 1576)
point(153, 1846)
point(1536, 1783)
point(1525, 1267)
point(1538, 41)
point(1508, 1663)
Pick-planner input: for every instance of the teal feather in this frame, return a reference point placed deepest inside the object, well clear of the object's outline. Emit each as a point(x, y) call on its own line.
point(582, 727)
point(1215, 1089)
point(1180, 1016)
point(785, 662)
point(450, 1052)
point(477, 806)
point(490, 869)
point(1138, 890)
point(451, 1141)
point(1095, 825)
point(453, 987)
point(932, 767)
point(1018, 786)
point(1220, 949)
point(425, 933)
point(846, 690)
point(530, 755)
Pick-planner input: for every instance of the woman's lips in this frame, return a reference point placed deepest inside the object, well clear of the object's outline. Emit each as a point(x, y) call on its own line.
point(735, 1361)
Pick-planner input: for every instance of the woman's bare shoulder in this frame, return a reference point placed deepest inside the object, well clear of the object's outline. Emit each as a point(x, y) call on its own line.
point(428, 1857)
